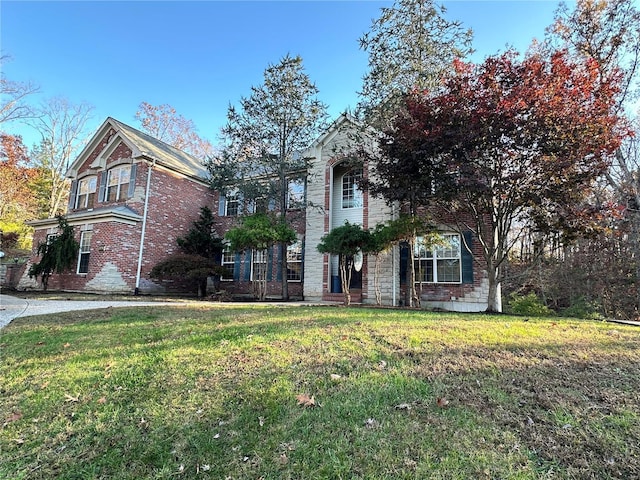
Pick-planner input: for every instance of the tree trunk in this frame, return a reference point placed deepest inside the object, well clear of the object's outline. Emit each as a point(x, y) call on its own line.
point(376, 280)
point(345, 278)
point(495, 291)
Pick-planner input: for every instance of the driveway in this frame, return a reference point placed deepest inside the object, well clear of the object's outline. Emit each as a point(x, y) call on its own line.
point(14, 307)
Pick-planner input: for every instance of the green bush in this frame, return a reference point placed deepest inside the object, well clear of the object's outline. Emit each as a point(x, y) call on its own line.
point(529, 305)
point(583, 308)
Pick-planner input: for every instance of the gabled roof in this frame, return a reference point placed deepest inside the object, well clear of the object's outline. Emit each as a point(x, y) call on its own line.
point(146, 147)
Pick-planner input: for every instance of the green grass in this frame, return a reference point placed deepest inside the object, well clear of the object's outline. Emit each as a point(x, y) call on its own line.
point(210, 392)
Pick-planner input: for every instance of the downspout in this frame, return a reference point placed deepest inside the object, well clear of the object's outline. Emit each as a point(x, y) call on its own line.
point(144, 226)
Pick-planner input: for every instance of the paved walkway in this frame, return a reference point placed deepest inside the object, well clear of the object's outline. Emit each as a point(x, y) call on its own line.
point(14, 307)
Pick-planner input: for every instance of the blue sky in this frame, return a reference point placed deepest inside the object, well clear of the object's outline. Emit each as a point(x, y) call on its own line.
point(200, 56)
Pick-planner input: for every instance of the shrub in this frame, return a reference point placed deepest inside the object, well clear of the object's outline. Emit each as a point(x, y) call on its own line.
point(529, 305)
point(583, 308)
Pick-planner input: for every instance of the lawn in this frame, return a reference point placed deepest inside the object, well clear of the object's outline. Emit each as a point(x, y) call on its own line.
point(223, 391)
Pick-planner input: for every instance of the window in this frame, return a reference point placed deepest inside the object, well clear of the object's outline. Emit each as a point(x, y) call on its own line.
point(442, 264)
point(295, 195)
point(51, 237)
point(232, 206)
point(83, 256)
point(229, 263)
point(294, 262)
point(259, 265)
point(351, 194)
point(86, 193)
point(118, 183)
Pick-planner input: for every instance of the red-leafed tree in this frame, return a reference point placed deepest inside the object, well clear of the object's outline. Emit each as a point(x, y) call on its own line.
point(17, 201)
point(507, 141)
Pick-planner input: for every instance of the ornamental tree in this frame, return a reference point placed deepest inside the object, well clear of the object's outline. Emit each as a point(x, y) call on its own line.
point(345, 241)
point(515, 141)
point(257, 234)
point(57, 254)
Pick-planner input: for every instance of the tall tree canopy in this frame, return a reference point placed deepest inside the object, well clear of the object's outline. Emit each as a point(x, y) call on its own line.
point(62, 127)
point(519, 140)
point(13, 95)
point(265, 138)
point(411, 45)
point(164, 123)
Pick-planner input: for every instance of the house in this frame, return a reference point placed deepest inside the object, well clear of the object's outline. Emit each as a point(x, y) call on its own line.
point(133, 195)
point(453, 277)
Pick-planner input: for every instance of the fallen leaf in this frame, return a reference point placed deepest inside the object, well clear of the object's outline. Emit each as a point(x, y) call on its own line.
point(305, 400)
point(102, 400)
point(442, 402)
point(69, 398)
point(335, 376)
point(283, 460)
point(261, 421)
point(40, 343)
point(216, 436)
point(67, 345)
point(14, 417)
point(403, 406)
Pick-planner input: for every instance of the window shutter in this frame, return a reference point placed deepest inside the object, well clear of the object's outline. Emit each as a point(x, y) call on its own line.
point(404, 262)
point(279, 265)
point(102, 192)
point(132, 180)
point(247, 265)
point(467, 258)
point(72, 194)
point(270, 264)
point(222, 200)
point(236, 267)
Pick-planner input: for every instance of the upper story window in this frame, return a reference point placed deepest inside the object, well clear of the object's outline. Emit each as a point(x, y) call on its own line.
point(86, 192)
point(351, 193)
point(118, 183)
point(442, 264)
point(232, 208)
point(295, 194)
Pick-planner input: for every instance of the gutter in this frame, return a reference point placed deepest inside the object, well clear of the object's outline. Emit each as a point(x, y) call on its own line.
point(144, 226)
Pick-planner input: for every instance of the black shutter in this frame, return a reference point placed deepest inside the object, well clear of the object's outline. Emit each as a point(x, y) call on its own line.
point(404, 262)
point(467, 258)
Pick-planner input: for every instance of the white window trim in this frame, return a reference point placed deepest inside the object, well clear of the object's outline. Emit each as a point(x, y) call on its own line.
point(357, 200)
point(79, 193)
point(227, 251)
point(87, 251)
point(434, 258)
point(264, 254)
point(290, 247)
point(232, 198)
point(119, 193)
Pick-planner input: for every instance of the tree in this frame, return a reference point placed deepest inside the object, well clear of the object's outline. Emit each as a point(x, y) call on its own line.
point(201, 239)
point(265, 137)
point(13, 95)
point(200, 257)
point(16, 199)
point(411, 45)
point(195, 270)
point(609, 33)
point(258, 233)
point(163, 123)
point(345, 241)
point(57, 254)
point(62, 128)
point(521, 141)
